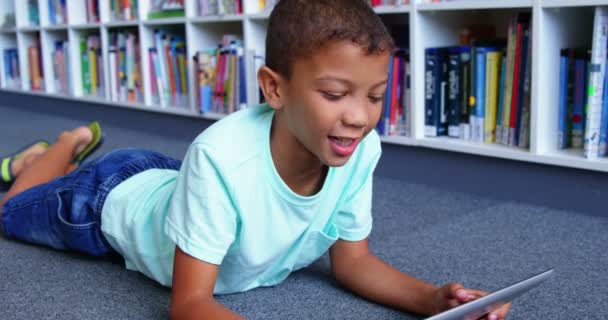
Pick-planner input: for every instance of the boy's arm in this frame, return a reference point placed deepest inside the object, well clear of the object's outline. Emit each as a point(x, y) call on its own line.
point(355, 268)
point(192, 293)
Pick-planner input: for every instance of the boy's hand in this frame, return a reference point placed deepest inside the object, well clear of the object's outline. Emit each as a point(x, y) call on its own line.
point(452, 295)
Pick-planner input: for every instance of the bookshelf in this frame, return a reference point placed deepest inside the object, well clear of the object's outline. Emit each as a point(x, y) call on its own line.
point(555, 24)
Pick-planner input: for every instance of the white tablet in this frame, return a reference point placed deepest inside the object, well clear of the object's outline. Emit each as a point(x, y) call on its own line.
point(480, 307)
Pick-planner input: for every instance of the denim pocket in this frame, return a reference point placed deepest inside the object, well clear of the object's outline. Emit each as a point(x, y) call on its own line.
point(77, 225)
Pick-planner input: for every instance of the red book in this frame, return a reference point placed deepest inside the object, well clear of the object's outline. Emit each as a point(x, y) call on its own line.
point(394, 105)
point(171, 73)
point(515, 87)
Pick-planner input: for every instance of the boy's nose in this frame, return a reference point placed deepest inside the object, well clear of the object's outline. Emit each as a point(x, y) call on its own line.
point(356, 116)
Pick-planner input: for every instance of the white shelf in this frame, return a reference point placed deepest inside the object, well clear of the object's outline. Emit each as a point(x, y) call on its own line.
point(85, 26)
point(399, 140)
point(476, 148)
point(29, 29)
point(475, 4)
point(392, 9)
point(115, 24)
point(165, 21)
point(556, 24)
point(572, 3)
point(259, 16)
point(220, 18)
point(56, 27)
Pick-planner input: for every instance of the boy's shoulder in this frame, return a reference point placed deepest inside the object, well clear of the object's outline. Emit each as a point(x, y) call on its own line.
point(238, 136)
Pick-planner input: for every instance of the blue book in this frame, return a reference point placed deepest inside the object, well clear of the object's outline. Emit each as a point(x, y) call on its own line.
point(603, 150)
point(480, 94)
point(382, 125)
point(7, 66)
point(242, 81)
point(562, 123)
point(578, 123)
point(52, 14)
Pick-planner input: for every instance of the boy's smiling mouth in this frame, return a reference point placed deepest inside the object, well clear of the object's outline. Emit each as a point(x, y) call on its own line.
point(343, 146)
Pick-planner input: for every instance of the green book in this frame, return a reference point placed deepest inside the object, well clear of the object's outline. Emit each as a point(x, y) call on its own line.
point(84, 59)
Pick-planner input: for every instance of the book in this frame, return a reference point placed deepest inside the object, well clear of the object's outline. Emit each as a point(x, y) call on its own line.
point(578, 107)
point(493, 62)
point(597, 73)
point(435, 92)
point(455, 93)
point(563, 133)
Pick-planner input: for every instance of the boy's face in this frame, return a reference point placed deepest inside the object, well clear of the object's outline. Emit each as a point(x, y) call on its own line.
point(334, 99)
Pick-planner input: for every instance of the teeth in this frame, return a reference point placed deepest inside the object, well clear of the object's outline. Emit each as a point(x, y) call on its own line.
point(343, 141)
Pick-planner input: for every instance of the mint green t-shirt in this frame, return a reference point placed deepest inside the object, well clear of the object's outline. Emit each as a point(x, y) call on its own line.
point(228, 206)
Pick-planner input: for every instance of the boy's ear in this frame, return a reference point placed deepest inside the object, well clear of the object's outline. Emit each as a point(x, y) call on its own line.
point(271, 85)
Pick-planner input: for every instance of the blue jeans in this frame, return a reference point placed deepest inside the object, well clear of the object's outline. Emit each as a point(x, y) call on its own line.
point(65, 213)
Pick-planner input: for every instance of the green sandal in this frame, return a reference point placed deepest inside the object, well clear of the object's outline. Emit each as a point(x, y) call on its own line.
point(6, 175)
point(98, 139)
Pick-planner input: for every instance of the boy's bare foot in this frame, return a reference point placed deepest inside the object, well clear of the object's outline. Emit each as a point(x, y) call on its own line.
point(83, 136)
point(26, 158)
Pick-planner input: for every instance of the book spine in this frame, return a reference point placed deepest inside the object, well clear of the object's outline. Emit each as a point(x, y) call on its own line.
point(392, 121)
point(480, 94)
point(521, 113)
point(515, 86)
point(562, 133)
point(492, 74)
point(508, 86)
point(523, 131)
point(454, 93)
point(465, 61)
point(431, 80)
point(113, 82)
point(596, 83)
point(383, 124)
point(579, 103)
point(603, 139)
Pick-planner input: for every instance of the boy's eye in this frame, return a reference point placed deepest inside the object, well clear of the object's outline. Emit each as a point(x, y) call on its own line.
point(374, 99)
point(332, 96)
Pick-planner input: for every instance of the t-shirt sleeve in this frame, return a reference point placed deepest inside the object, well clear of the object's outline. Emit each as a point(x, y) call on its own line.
point(201, 219)
point(354, 218)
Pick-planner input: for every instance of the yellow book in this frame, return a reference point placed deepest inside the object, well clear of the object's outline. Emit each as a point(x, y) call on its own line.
point(493, 60)
point(93, 71)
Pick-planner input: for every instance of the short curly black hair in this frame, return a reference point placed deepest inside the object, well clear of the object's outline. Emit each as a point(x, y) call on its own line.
point(297, 28)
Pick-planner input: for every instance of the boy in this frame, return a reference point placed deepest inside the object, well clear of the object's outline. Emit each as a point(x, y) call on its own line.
point(260, 194)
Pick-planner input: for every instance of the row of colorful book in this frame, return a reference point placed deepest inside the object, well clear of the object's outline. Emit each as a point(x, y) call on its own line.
point(12, 75)
point(36, 73)
point(168, 69)
point(61, 67)
point(583, 93)
point(160, 9)
point(58, 11)
point(397, 101)
point(123, 10)
point(124, 62)
point(219, 7)
point(481, 91)
point(92, 11)
point(91, 61)
point(226, 77)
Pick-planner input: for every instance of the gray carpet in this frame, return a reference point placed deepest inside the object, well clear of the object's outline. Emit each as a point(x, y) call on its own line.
point(433, 234)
